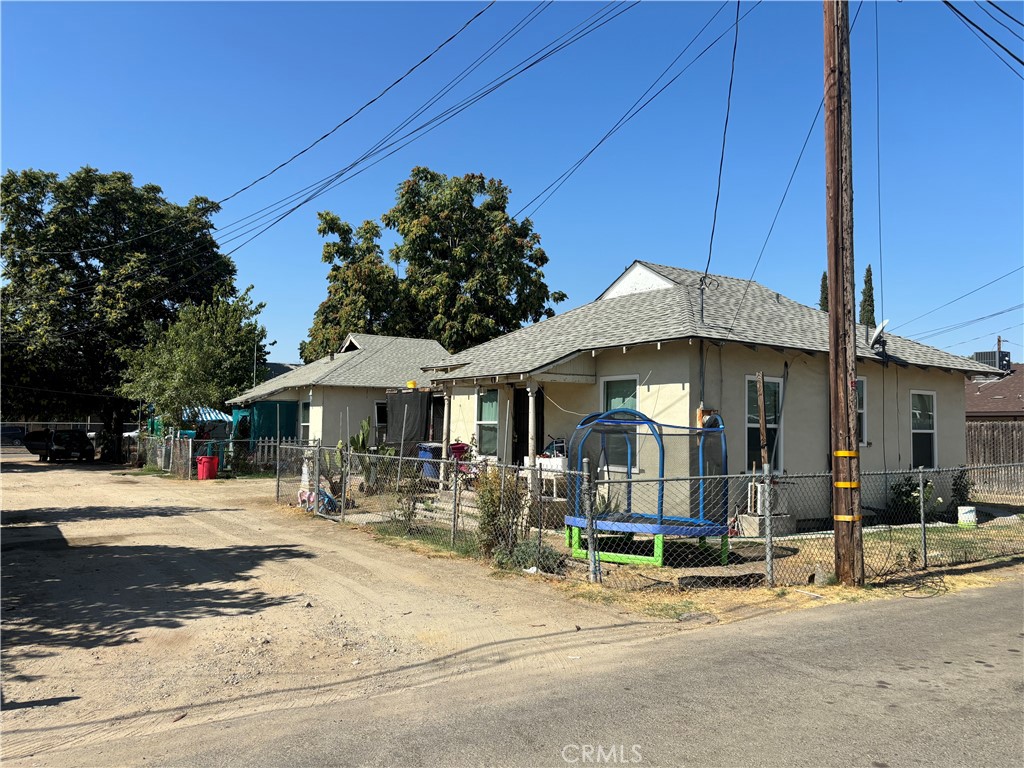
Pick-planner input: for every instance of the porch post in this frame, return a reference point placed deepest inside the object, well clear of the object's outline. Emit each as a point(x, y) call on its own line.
point(531, 390)
point(446, 429)
point(531, 460)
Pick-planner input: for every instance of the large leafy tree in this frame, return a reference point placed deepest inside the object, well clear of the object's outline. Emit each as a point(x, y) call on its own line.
point(471, 271)
point(363, 293)
point(867, 299)
point(91, 263)
point(204, 358)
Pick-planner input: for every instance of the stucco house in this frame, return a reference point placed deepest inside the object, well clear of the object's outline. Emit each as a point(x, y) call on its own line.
point(327, 399)
point(659, 341)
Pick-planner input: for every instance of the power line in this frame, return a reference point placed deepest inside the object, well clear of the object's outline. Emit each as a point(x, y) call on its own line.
point(1006, 13)
point(985, 336)
point(721, 159)
point(630, 113)
point(581, 30)
point(878, 163)
point(962, 296)
point(980, 30)
point(298, 154)
point(999, 21)
point(376, 98)
point(957, 326)
point(785, 194)
point(321, 185)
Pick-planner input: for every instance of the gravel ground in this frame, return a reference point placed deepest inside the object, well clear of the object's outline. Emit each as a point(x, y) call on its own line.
point(133, 604)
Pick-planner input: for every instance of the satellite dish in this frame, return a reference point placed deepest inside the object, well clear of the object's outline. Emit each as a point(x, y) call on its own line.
point(876, 337)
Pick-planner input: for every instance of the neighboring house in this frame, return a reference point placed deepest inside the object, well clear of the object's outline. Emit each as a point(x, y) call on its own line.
point(277, 369)
point(327, 399)
point(657, 342)
point(996, 399)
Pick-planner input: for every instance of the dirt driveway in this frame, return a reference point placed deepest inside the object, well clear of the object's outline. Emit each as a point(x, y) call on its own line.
point(134, 604)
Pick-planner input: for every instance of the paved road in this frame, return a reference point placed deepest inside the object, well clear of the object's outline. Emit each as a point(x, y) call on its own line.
point(930, 682)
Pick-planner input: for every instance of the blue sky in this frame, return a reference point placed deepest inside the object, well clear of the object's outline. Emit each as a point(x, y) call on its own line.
point(202, 98)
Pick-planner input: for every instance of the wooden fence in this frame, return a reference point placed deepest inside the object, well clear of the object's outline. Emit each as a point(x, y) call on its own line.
point(995, 442)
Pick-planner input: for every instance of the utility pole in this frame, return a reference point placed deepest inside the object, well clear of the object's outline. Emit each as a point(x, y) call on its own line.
point(846, 513)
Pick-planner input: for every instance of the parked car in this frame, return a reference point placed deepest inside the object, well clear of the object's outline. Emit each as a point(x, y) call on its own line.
point(10, 435)
point(72, 444)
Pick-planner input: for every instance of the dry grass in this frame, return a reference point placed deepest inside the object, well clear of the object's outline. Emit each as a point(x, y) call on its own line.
point(728, 605)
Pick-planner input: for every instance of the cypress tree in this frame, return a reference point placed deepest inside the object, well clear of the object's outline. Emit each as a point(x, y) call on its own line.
point(867, 299)
point(823, 298)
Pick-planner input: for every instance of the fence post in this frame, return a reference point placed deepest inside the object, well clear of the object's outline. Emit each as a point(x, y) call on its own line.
point(277, 471)
point(455, 498)
point(588, 502)
point(540, 517)
point(316, 477)
point(764, 498)
point(348, 481)
point(190, 458)
point(920, 503)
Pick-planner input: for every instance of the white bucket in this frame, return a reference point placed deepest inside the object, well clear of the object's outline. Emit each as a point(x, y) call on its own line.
point(967, 517)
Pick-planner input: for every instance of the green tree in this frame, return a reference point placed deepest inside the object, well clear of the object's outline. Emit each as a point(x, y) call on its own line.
point(89, 263)
point(823, 296)
point(204, 358)
point(867, 299)
point(472, 271)
point(363, 292)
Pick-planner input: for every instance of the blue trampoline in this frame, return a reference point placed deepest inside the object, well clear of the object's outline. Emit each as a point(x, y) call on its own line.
point(617, 432)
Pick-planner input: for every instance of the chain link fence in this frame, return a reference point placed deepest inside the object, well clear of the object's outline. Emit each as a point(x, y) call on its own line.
point(637, 533)
point(686, 532)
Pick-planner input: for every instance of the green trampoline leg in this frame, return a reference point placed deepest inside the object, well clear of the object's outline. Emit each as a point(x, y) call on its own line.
point(659, 550)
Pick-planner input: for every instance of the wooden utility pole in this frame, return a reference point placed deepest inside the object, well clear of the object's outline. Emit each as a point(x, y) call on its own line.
point(849, 551)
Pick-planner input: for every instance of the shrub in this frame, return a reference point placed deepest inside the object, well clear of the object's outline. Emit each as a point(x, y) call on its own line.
point(528, 554)
point(904, 501)
point(501, 507)
point(963, 486)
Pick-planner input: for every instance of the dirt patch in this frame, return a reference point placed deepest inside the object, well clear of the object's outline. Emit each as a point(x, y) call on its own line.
point(135, 603)
point(133, 607)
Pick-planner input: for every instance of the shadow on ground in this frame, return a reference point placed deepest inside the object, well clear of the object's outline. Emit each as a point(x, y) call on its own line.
point(58, 515)
point(58, 596)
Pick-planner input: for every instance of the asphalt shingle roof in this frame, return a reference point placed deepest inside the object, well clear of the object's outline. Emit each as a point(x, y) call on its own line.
point(733, 310)
point(370, 361)
point(996, 397)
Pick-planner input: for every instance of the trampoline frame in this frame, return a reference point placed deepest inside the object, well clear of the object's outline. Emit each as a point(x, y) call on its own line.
point(660, 525)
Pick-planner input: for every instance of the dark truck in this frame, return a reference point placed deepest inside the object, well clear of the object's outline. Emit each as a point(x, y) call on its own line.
point(67, 444)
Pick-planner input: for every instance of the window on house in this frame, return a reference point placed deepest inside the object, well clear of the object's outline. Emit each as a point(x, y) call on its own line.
point(772, 419)
point(862, 423)
point(620, 393)
point(304, 422)
point(380, 421)
point(922, 428)
point(487, 422)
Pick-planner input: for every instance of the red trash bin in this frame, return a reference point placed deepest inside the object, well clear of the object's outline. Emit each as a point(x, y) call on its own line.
point(206, 467)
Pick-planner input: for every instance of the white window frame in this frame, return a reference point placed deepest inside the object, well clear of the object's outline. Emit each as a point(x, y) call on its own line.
point(602, 407)
point(305, 409)
point(934, 431)
point(479, 423)
point(780, 438)
point(381, 439)
point(862, 413)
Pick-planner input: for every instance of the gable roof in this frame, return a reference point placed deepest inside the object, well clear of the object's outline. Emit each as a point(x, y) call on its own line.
point(365, 360)
point(733, 310)
point(994, 398)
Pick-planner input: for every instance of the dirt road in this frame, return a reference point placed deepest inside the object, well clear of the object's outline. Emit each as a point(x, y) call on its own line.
point(136, 604)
